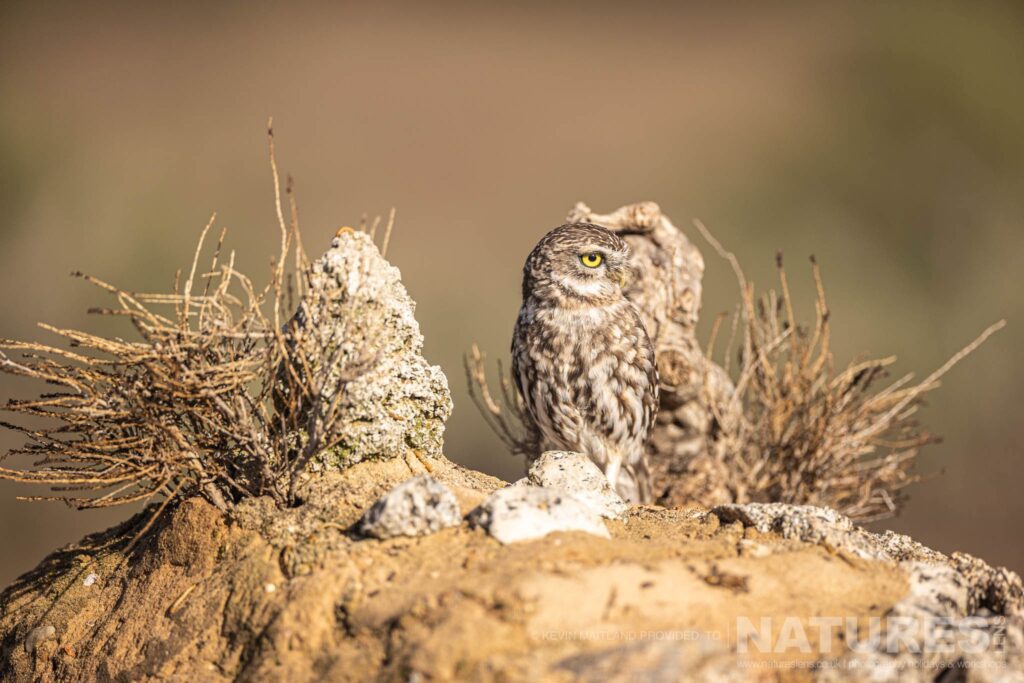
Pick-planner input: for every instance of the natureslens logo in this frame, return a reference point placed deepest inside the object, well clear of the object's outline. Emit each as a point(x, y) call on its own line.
point(893, 635)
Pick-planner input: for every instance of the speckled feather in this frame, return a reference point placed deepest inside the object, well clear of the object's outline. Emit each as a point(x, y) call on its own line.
point(581, 357)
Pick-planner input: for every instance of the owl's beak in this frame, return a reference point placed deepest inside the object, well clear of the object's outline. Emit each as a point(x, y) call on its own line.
point(621, 276)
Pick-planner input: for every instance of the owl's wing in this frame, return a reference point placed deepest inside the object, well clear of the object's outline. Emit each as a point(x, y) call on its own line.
point(650, 364)
point(650, 402)
point(518, 341)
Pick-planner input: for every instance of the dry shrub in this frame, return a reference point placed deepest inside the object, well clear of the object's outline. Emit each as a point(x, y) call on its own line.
point(798, 431)
point(507, 415)
point(220, 395)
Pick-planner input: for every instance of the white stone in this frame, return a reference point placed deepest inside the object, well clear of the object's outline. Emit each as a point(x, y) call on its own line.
point(577, 474)
point(524, 513)
point(39, 635)
point(417, 507)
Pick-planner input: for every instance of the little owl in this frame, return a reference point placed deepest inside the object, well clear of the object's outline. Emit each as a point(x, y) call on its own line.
point(581, 358)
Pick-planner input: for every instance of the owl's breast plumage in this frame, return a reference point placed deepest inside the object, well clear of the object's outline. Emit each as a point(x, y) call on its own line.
point(588, 377)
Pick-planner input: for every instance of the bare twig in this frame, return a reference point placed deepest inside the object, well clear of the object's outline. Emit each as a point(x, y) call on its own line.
point(387, 233)
point(509, 418)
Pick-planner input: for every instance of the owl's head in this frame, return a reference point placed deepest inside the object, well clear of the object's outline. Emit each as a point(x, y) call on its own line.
point(577, 263)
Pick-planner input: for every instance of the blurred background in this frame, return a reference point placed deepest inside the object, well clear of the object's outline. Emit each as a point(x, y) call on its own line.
point(885, 138)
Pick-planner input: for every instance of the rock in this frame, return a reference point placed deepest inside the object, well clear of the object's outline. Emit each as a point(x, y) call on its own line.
point(358, 318)
point(577, 474)
point(994, 588)
point(958, 613)
point(800, 522)
point(821, 526)
point(38, 635)
point(418, 507)
point(931, 630)
point(825, 526)
point(525, 513)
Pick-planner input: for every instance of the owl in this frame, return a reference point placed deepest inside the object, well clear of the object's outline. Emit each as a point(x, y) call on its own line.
point(581, 358)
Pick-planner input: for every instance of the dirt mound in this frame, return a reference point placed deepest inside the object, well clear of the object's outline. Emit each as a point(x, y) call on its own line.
point(297, 595)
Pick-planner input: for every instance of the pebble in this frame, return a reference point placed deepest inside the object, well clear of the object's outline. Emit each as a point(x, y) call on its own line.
point(39, 635)
point(417, 507)
point(577, 474)
point(524, 513)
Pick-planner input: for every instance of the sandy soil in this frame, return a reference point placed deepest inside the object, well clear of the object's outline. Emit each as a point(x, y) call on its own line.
point(295, 595)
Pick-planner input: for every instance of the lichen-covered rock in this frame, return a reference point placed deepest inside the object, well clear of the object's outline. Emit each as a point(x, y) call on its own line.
point(935, 630)
point(358, 319)
point(577, 474)
point(801, 522)
point(525, 513)
point(994, 588)
point(825, 526)
point(417, 507)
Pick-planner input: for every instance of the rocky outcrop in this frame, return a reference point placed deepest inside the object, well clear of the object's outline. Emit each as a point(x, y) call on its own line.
point(298, 595)
point(357, 321)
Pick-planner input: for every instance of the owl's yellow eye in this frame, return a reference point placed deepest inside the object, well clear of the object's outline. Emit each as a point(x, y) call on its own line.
point(591, 260)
